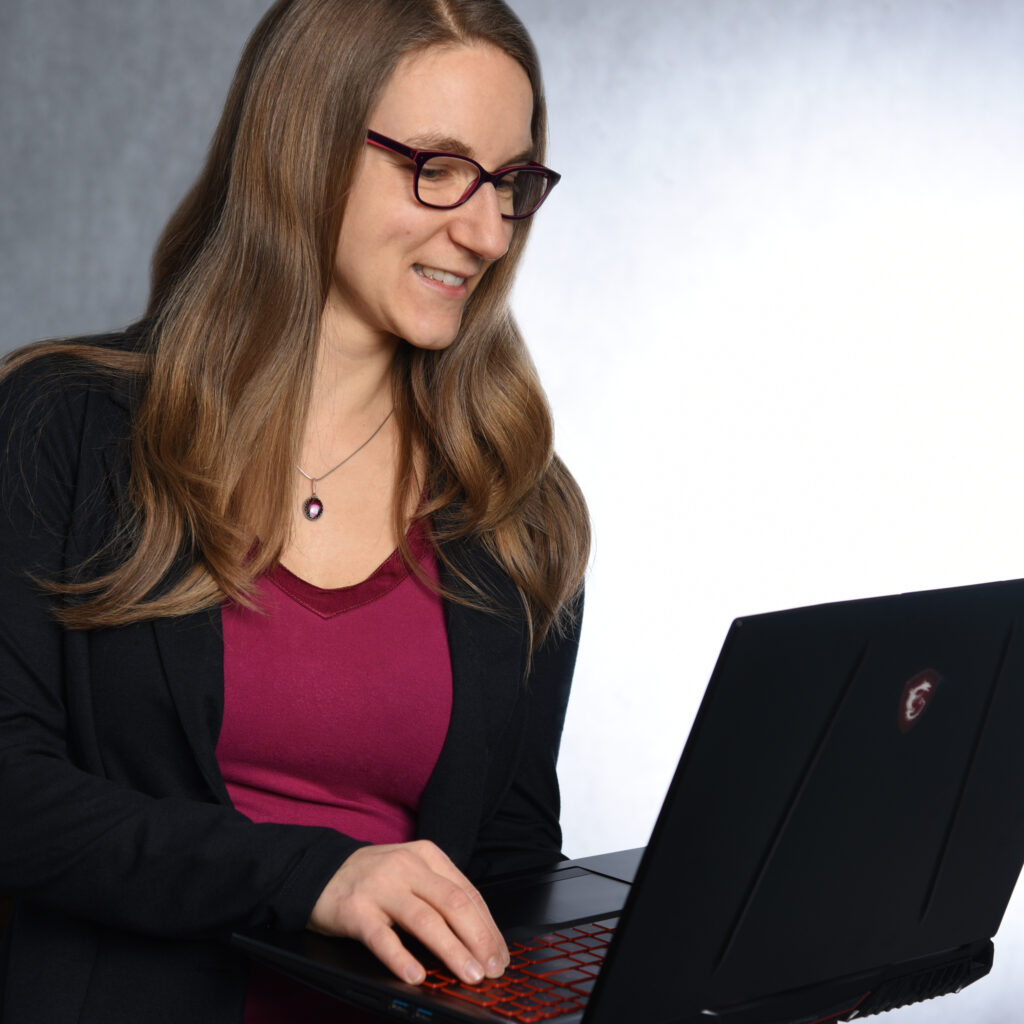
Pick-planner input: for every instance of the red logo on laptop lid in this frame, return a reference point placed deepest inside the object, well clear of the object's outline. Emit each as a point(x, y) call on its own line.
point(917, 693)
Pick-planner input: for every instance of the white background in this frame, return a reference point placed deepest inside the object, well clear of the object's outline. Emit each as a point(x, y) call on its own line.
point(778, 305)
point(776, 302)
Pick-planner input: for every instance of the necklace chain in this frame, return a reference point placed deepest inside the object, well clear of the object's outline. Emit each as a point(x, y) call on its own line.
point(351, 455)
point(313, 506)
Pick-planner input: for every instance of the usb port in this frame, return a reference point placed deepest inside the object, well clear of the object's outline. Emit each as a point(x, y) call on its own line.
point(422, 1014)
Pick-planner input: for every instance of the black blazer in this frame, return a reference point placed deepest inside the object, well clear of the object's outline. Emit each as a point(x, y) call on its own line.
point(127, 860)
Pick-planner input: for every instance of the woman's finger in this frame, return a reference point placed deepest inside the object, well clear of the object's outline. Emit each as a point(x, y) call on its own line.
point(450, 903)
point(387, 947)
point(414, 886)
point(446, 919)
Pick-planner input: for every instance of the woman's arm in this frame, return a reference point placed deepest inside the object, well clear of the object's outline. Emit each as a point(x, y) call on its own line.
point(172, 863)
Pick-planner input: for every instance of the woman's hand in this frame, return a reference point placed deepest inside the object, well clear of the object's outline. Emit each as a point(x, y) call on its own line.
point(416, 887)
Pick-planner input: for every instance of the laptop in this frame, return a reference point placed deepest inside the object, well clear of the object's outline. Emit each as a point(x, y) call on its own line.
point(841, 837)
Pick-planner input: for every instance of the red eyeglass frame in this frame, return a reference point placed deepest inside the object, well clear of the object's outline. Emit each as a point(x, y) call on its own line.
point(420, 156)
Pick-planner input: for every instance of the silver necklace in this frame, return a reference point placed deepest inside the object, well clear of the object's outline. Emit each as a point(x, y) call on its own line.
point(313, 506)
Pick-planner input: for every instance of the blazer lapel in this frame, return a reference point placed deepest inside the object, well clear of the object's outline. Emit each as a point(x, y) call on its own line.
point(192, 652)
point(190, 647)
point(487, 651)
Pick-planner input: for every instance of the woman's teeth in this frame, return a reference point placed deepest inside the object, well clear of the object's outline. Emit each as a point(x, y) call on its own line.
point(439, 275)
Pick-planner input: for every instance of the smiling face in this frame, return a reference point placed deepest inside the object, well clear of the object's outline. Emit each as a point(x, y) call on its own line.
point(405, 270)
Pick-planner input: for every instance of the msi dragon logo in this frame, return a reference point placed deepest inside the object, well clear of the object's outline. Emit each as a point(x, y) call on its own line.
point(917, 693)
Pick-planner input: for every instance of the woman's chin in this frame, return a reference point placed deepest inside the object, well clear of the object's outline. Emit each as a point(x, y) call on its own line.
point(432, 340)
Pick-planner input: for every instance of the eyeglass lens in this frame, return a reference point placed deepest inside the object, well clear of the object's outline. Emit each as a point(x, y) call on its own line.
point(447, 181)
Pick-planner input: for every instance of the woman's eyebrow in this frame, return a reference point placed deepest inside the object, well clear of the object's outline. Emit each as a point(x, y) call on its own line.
point(445, 143)
point(449, 144)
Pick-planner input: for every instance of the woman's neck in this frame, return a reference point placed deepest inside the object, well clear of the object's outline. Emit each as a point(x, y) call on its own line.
point(351, 395)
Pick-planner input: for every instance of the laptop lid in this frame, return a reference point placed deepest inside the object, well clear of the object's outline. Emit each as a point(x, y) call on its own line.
point(845, 823)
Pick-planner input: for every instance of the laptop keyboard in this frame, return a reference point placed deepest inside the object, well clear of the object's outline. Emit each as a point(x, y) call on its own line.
point(549, 976)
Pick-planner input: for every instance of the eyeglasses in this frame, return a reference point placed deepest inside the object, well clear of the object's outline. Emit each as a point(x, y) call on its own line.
point(445, 180)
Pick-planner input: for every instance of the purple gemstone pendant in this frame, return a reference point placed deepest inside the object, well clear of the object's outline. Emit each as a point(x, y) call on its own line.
point(313, 508)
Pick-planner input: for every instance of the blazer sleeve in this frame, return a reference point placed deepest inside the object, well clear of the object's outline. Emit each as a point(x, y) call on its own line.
point(73, 839)
point(522, 831)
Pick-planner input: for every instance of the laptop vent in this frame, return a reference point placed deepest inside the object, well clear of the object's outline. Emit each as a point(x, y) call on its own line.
point(937, 981)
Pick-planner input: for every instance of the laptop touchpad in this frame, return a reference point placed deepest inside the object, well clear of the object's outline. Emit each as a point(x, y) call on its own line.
point(559, 898)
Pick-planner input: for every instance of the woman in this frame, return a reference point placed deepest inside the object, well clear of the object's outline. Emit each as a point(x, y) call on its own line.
point(291, 575)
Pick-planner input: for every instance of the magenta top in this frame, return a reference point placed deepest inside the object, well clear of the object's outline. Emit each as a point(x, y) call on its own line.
point(336, 705)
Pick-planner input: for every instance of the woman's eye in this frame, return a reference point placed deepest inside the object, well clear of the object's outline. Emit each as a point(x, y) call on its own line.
point(432, 173)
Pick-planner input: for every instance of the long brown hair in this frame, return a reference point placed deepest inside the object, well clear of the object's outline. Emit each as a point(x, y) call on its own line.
point(240, 278)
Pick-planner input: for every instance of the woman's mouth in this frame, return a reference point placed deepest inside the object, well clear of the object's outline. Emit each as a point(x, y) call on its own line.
point(434, 274)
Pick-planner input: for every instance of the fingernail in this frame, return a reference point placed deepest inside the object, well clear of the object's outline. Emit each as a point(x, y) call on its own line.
point(495, 967)
point(473, 972)
point(414, 974)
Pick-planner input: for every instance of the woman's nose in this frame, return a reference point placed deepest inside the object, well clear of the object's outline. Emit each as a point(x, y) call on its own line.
point(478, 225)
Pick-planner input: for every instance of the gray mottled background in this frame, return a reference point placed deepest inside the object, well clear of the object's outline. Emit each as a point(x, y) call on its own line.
point(777, 302)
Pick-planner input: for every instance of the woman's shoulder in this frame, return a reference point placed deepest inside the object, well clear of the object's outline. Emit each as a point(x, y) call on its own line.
point(61, 372)
point(67, 395)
